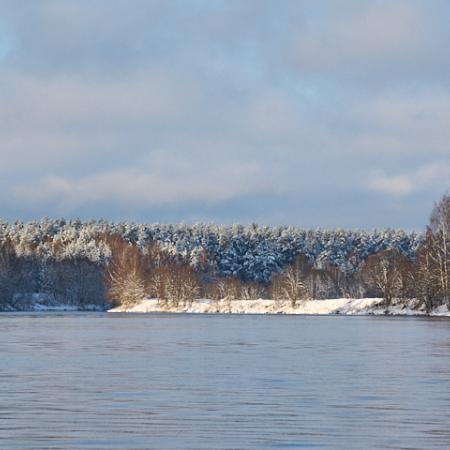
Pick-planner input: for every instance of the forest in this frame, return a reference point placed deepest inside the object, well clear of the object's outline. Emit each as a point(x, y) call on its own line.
point(99, 264)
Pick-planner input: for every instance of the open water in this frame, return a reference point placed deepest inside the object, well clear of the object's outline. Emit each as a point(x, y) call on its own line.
point(124, 381)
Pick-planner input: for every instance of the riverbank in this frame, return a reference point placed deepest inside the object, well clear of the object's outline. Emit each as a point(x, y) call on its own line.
point(42, 302)
point(344, 306)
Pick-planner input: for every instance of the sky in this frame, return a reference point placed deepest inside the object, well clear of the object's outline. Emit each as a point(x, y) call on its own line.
point(324, 113)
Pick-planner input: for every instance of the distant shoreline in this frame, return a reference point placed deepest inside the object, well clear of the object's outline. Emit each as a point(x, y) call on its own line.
point(340, 306)
point(343, 306)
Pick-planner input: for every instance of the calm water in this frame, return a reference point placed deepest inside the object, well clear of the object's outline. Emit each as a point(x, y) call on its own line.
point(98, 381)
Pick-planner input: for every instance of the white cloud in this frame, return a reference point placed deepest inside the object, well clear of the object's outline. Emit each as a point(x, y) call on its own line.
point(429, 176)
point(398, 185)
point(150, 105)
point(397, 125)
point(162, 182)
point(365, 36)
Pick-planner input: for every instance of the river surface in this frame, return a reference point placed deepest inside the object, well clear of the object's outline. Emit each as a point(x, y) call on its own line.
point(118, 381)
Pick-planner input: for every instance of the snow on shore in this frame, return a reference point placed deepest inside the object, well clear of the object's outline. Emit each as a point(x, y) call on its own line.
point(346, 306)
point(333, 306)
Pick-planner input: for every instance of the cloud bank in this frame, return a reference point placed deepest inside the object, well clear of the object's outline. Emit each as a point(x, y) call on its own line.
point(331, 113)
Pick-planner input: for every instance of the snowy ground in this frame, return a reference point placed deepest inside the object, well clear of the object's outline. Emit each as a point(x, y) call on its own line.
point(333, 306)
point(345, 306)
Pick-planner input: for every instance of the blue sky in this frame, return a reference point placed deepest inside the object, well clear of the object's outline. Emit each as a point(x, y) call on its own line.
point(317, 114)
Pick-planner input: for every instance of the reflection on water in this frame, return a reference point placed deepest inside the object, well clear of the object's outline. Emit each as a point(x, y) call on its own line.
point(98, 381)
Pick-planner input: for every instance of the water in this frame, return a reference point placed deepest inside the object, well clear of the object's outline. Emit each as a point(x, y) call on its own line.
point(99, 381)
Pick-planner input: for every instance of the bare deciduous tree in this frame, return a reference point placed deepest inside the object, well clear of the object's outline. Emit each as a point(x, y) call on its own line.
point(175, 283)
point(438, 235)
point(251, 291)
point(387, 272)
point(292, 283)
point(126, 273)
point(427, 284)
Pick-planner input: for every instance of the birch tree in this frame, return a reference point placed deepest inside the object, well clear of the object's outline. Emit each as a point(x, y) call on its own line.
point(438, 232)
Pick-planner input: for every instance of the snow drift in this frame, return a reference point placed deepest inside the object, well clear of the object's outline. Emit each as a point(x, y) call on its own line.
point(261, 306)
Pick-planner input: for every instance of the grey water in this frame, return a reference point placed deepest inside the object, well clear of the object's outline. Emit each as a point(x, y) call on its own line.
point(118, 381)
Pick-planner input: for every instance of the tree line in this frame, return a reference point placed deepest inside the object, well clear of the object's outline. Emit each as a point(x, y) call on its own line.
point(106, 264)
